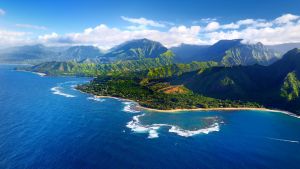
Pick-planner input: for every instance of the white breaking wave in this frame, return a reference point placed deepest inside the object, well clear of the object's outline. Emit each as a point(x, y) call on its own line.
point(189, 133)
point(152, 130)
point(74, 87)
point(284, 140)
point(153, 134)
point(135, 126)
point(96, 99)
point(57, 90)
point(40, 74)
point(129, 107)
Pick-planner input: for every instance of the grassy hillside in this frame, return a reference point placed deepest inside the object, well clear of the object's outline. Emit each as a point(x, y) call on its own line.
point(155, 94)
point(93, 69)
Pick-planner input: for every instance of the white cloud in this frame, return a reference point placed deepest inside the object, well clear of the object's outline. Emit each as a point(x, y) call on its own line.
point(246, 22)
point(11, 38)
point(266, 35)
point(2, 12)
point(279, 30)
point(105, 37)
point(29, 26)
point(287, 18)
point(212, 26)
point(204, 20)
point(259, 23)
point(230, 26)
point(143, 21)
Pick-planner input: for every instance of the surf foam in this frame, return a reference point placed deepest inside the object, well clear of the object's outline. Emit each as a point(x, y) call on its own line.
point(188, 133)
point(129, 107)
point(40, 74)
point(152, 130)
point(94, 98)
point(57, 90)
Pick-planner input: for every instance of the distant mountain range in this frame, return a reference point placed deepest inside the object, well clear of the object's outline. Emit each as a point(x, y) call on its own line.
point(285, 47)
point(131, 50)
point(225, 52)
point(228, 52)
point(40, 53)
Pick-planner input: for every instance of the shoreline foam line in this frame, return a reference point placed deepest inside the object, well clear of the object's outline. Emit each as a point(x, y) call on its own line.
point(37, 73)
point(128, 107)
point(95, 99)
point(57, 90)
point(200, 109)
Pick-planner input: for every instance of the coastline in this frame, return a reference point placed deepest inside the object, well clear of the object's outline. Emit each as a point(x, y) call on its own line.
point(37, 73)
point(139, 107)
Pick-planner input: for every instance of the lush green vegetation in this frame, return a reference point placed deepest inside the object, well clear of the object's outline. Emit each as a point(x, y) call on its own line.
point(228, 53)
point(178, 69)
point(155, 94)
point(249, 54)
point(93, 69)
point(274, 86)
point(145, 71)
point(291, 86)
point(135, 50)
point(160, 67)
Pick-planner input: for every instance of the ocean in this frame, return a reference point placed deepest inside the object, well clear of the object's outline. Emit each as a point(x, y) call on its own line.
point(46, 123)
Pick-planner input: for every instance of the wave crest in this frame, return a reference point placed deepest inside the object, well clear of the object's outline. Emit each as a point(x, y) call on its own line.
point(152, 130)
point(57, 90)
point(94, 98)
point(188, 133)
point(130, 107)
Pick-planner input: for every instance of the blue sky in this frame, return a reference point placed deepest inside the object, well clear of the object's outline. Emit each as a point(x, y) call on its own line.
point(55, 20)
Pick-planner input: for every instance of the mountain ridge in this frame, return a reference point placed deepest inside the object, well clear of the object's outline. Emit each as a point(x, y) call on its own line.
point(229, 53)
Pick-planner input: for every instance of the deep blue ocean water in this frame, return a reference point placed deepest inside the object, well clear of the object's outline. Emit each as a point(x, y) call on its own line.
point(45, 123)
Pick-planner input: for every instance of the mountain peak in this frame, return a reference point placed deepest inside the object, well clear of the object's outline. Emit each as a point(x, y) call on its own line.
point(294, 51)
point(137, 49)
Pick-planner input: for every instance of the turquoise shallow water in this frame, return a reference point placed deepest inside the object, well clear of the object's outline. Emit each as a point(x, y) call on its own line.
point(45, 123)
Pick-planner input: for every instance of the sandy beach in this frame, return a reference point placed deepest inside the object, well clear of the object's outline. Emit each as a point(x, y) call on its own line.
point(202, 109)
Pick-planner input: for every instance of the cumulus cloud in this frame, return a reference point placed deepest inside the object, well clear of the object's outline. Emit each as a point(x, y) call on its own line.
point(283, 29)
point(106, 37)
point(204, 20)
point(143, 21)
point(29, 26)
point(247, 23)
point(2, 12)
point(12, 38)
point(230, 26)
point(287, 18)
point(212, 26)
point(267, 35)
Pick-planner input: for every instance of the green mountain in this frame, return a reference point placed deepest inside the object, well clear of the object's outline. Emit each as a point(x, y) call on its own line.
point(290, 87)
point(274, 86)
point(80, 53)
point(175, 69)
point(228, 52)
point(94, 69)
point(285, 47)
point(249, 54)
point(135, 50)
point(186, 53)
point(27, 54)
